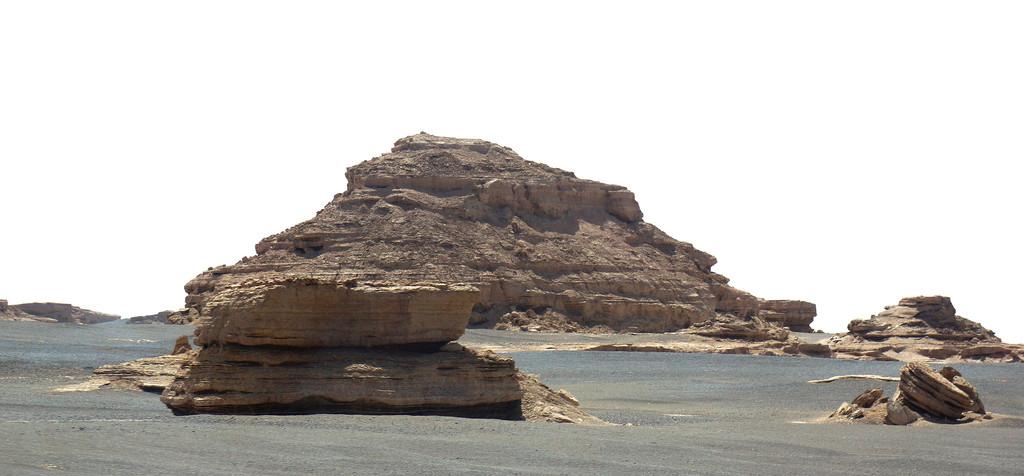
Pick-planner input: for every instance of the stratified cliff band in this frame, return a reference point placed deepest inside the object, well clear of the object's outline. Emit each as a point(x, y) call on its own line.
point(547, 250)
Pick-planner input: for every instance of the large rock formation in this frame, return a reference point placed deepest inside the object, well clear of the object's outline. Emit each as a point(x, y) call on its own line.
point(52, 312)
point(318, 345)
point(547, 250)
point(922, 327)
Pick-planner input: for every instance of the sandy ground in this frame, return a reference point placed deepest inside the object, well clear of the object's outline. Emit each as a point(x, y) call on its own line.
point(678, 413)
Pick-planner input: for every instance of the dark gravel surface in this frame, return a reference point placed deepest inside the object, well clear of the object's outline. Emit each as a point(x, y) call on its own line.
point(687, 414)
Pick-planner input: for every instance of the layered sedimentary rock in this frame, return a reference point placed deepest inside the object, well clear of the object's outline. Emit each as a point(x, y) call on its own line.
point(575, 252)
point(183, 317)
point(922, 327)
point(52, 312)
point(312, 312)
point(310, 345)
point(796, 315)
point(454, 380)
point(158, 318)
point(11, 313)
point(923, 394)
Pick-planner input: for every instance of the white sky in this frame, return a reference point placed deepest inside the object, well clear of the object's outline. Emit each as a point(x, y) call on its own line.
point(844, 153)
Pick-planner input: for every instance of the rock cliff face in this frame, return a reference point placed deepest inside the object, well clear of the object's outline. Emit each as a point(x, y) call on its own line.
point(53, 312)
point(547, 250)
point(922, 327)
point(11, 313)
point(796, 315)
point(317, 345)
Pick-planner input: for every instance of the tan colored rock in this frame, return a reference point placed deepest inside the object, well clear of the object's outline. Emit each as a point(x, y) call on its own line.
point(242, 379)
point(930, 392)
point(896, 413)
point(796, 315)
point(530, 237)
point(59, 312)
point(868, 398)
point(323, 313)
point(186, 316)
point(158, 318)
point(730, 327)
point(181, 345)
point(922, 328)
point(10, 313)
point(151, 374)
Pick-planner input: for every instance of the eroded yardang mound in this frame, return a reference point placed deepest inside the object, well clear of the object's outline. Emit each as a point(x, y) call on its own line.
point(531, 237)
point(922, 326)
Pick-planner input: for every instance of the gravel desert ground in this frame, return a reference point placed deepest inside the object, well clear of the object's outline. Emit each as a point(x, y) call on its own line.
point(675, 413)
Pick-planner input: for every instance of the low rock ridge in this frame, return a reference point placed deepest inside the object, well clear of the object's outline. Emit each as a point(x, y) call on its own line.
point(158, 318)
point(52, 312)
point(548, 250)
point(922, 327)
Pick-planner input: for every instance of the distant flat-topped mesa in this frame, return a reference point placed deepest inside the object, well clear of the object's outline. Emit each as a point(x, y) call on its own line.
point(575, 252)
point(922, 327)
point(52, 312)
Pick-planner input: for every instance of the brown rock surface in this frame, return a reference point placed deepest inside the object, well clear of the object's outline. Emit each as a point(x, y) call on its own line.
point(158, 318)
point(64, 313)
point(185, 316)
point(12, 313)
point(181, 345)
point(796, 315)
point(531, 237)
point(243, 379)
point(922, 328)
point(924, 394)
point(934, 394)
point(323, 313)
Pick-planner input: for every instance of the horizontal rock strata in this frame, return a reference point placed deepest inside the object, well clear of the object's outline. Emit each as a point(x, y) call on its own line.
point(52, 312)
point(242, 379)
point(547, 250)
point(922, 327)
point(322, 313)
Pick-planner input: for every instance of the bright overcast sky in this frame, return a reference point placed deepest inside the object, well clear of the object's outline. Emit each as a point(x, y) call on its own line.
point(844, 153)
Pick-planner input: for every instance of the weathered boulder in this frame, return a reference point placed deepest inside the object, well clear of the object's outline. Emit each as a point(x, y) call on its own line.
point(531, 237)
point(922, 327)
point(923, 394)
point(938, 394)
point(60, 312)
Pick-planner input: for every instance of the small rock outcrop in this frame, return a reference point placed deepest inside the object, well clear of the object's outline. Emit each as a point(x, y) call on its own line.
point(924, 394)
point(53, 312)
point(187, 316)
point(923, 327)
point(548, 251)
point(158, 318)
